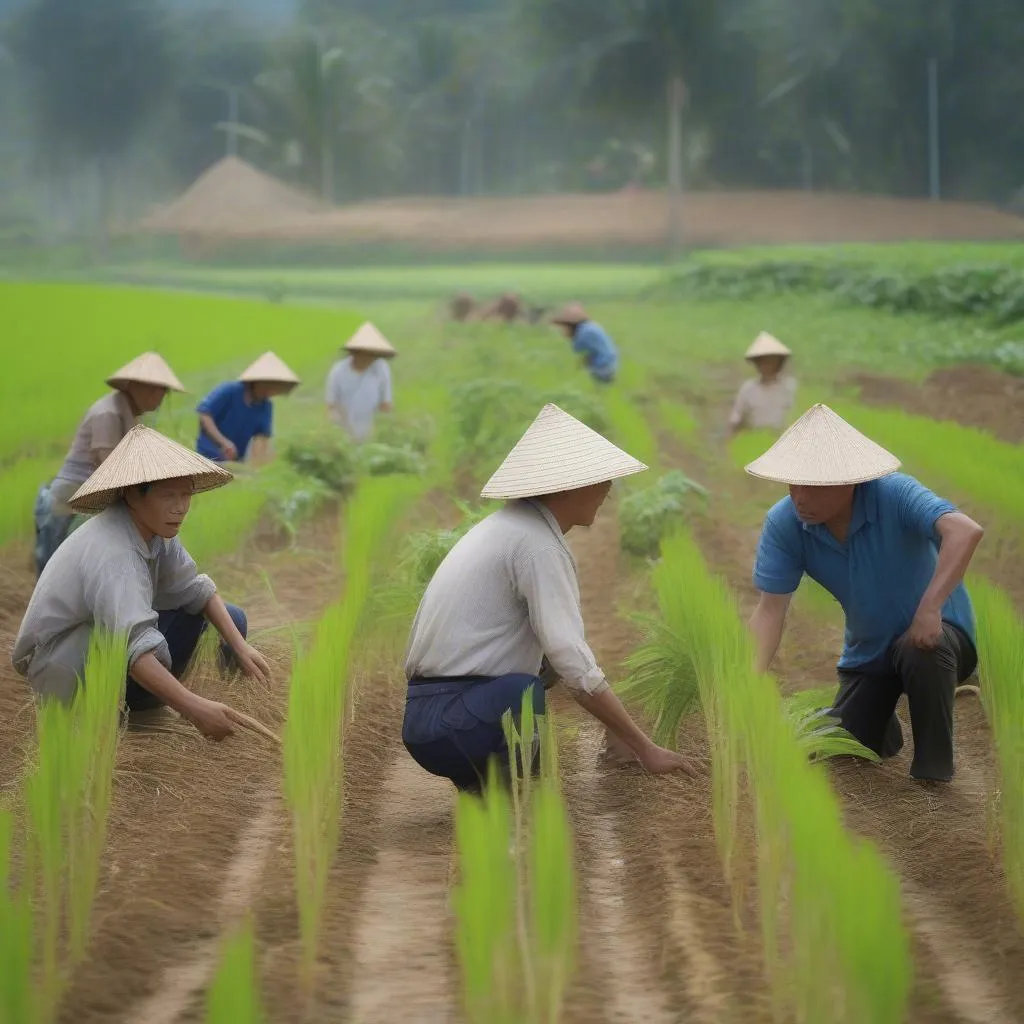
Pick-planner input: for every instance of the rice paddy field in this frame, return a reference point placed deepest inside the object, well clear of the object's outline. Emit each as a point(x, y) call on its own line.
point(149, 876)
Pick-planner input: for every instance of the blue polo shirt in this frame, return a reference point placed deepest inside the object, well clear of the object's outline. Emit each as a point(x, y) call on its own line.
point(237, 419)
point(592, 340)
point(878, 575)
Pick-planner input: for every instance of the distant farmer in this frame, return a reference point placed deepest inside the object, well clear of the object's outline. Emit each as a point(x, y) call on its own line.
point(764, 403)
point(507, 307)
point(240, 413)
point(138, 388)
point(125, 571)
point(505, 603)
point(462, 307)
point(359, 385)
point(894, 556)
point(590, 340)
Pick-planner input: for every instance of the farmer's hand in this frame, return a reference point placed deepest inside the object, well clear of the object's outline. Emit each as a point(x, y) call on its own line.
point(210, 718)
point(926, 629)
point(229, 451)
point(252, 663)
point(659, 761)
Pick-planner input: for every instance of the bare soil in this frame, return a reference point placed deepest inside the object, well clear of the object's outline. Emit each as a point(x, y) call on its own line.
point(236, 201)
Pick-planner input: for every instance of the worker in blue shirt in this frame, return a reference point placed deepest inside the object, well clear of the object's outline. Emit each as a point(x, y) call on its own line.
point(238, 414)
point(893, 555)
point(590, 340)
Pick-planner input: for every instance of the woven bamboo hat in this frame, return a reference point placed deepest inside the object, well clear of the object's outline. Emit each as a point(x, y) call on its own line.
point(145, 456)
point(149, 368)
point(766, 344)
point(822, 450)
point(368, 339)
point(558, 453)
point(572, 314)
point(269, 369)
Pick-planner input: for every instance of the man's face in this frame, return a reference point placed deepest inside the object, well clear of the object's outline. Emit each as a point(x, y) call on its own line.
point(162, 509)
point(769, 366)
point(147, 397)
point(821, 504)
point(588, 502)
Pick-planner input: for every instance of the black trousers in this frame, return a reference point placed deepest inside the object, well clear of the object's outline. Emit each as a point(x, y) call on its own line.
point(866, 702)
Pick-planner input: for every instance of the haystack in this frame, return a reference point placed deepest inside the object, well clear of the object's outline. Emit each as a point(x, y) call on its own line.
point(232, 198)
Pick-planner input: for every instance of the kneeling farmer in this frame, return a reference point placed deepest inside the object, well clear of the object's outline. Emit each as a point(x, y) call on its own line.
point(505, 599)
point(894, 556)
point(137, 388)
point(126, 571)
point(240, 412)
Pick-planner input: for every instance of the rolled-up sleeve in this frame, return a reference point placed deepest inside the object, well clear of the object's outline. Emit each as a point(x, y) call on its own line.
point(546, 580)
point(120, 602)
point(179, 582)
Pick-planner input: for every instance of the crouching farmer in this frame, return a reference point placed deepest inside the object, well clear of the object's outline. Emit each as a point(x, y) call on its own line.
point(505, 600)
point(125, 571)
point(894, 556)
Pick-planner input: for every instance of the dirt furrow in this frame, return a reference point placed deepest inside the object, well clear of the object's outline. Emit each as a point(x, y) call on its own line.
point(403, 928)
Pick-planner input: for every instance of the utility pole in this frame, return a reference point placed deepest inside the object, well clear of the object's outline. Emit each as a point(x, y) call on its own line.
point(933, 129)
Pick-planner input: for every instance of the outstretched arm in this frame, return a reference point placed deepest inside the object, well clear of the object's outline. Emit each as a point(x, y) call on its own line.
point(767, 624)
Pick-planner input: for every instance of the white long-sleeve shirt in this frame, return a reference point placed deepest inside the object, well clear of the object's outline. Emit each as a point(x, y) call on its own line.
point(761, 405)
point(104, 575)
point(504, 597)
point(358, 395)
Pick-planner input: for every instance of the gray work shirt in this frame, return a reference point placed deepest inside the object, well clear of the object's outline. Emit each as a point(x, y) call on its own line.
point(505, 596)
point(104, 575)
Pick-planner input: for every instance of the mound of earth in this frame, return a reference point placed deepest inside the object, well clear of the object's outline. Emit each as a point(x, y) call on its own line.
point(977, 396)
point(232, 196)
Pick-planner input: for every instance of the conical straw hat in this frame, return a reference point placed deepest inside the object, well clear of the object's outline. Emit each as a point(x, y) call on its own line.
point(149, 368)
point(269, 369)
point(822, 450)
point(145, 456)
point(368, 339)
point(558, 453)
point(573, 313)
point(766, 344)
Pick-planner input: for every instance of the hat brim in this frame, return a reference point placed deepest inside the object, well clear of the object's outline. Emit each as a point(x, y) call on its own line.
point(795, 479)
point(118, 384)
point(97, 501)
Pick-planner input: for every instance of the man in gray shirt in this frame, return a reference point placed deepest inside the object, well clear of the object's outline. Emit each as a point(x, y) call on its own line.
point(126, 572)
point(506, 599)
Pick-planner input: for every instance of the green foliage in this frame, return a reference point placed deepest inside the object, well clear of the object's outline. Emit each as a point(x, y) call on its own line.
point(491, 413)
point(817, 730)
point(647, 515)
point(378, 459)
point(326, 456)
point(425, 551)
point(630, 431)
point(1001, 656)
point(747, 445)
point(234, 995)
point(68, 799)
point(17, 992)
point(677, 419)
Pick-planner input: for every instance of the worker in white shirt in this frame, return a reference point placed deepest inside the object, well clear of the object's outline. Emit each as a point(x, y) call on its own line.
point(359, 385)
point(505, 601)
point(765, 402)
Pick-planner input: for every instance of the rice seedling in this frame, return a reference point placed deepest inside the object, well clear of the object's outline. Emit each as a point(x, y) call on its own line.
point(67, 795)
point(234, 996)
point(313, 735)
point(630, 430)
point(1001, 656)
point(425, 551)
point(748, 445)
point(827, 960)
point(677, 419)
point(485, 907)
point(20, 483)
point(17, 992)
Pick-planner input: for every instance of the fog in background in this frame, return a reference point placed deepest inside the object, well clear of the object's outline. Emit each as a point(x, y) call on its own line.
point(108, 106)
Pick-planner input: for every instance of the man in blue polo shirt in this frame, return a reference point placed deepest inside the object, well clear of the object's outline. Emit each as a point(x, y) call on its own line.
point(591, 341)
point(894, 556)
point(239, 413)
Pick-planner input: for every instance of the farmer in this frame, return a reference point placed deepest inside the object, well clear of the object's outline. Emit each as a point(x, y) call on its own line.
point(138, 388)
point(764, 403)
point(894, 556)
point(462, 307)
point(240, 412)
point(589, 339)
point(359, 385)
point(507, 307)
point(506, 599)
point(125, 571)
